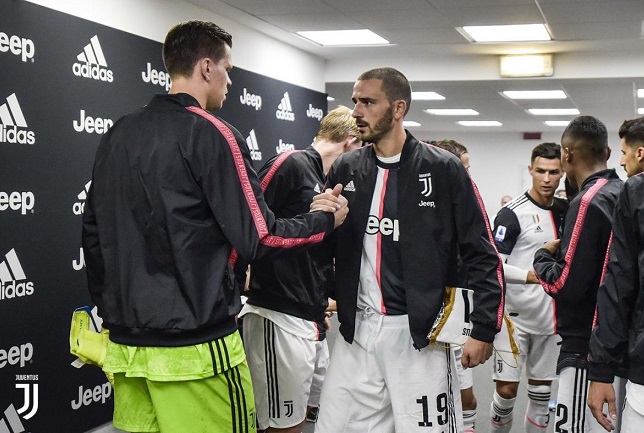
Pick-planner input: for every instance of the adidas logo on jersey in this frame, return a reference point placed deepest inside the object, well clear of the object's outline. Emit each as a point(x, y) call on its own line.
point(92, 63)
point(315, 113)
point(79, 207)
point(251, 140)
point(538, 230)
point(22, 201)
point(92, 125)
point(10, 273)
point(13, 124)
point(350, 187)
point(284, 109)
point(159, 78)
point(18, 46)
point(317, 188)
point(284, 147)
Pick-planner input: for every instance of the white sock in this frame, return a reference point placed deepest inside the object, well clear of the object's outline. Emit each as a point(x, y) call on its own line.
point(501, 414)
point(469, 416)
point(537, 415)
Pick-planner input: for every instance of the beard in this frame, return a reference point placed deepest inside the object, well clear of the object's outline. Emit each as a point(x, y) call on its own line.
point(381, 128)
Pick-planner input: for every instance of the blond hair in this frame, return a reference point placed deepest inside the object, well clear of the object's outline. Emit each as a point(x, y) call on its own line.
point(338, 125)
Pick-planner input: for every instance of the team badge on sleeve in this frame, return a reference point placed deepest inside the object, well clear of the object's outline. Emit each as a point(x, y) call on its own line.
point(499, 236)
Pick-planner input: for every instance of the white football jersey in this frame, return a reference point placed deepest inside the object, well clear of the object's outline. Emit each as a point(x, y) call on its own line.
point(520, 229)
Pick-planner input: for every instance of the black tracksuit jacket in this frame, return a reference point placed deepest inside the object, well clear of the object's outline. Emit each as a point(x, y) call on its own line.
point(619, 335)
point(572, 275)
point(430, 236)
point(297, 285)
point(173, 192)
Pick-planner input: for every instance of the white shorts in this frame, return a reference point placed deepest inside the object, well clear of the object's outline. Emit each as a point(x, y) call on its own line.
point(632, 421)
point(281, 368)
point(537, 353)
point(381, 384)
point(572, 413)
point(321, 365)
point(465, 376)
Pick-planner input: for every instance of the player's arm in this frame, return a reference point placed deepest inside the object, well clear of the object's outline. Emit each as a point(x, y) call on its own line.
point(507, 230)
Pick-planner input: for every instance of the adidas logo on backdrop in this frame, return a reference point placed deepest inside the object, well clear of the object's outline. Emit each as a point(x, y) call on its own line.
point(17, 46)
point(11, 273)
point(13, 126)
point(92, 64)
point(79, 207)
point(284, 109)
point(251, 140)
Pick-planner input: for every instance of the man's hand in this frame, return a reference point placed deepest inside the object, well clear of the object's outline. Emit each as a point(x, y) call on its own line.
point(531, 278)
point(475, 352)
point(552, 246)
point(598, 394)
point(332, 201)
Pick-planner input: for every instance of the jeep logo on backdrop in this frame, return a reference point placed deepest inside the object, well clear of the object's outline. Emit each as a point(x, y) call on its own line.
point(92, 64)
point(18, 201)
point(160, 78)
point(92, 125)
point(18, 46)
point(315, 113)
point(251, 100)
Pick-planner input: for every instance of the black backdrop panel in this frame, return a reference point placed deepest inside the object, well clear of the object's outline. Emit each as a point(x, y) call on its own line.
point(65, 81)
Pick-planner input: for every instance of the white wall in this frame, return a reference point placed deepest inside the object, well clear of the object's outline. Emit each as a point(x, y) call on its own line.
point(499, 161)
point(152, 19)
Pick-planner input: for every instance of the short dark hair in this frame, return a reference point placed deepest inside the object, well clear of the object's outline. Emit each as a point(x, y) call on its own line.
point(190, 41)
point(394, 84)
point(632, 131)
point(592, 135)
point(452, 146)
point(546, 150)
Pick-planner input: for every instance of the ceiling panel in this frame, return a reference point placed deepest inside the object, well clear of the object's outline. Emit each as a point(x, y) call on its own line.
point(318, 21)
point(269, 7)
point(596, 31)
point(492, 15)
point(593, 11)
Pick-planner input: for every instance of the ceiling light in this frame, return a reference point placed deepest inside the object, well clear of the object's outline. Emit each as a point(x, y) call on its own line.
point(479, 123)
point(452, 111)
point(640, 93)
point(557, 122)
point(528, 65)
point(330, 98)
point(640, 111)
point(410, 123)
point(344, 37)
point(554, 111)
point(426, 96)
point(511, 33)
point(535, 94)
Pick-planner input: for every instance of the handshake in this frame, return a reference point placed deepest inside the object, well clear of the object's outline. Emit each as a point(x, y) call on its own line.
point(332, 201)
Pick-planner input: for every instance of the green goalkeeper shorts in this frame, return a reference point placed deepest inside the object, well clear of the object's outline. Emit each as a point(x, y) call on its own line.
point(222, 402)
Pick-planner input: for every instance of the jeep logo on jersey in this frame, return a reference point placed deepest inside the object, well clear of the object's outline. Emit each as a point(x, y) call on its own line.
point(251, 140)
point(79, 207)
point(17, 46)
point(425, 180)
point(159, 78)
point(284, 147)
point(315, 113)
point(18, 201)
point(12, 278)
point(251, 100)
point(284, 109)
point(385, 226)
point(92, 64)
point(92, 125)
point(13, 124)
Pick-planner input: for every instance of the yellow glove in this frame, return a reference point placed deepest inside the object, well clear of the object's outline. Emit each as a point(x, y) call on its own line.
point(90, 346)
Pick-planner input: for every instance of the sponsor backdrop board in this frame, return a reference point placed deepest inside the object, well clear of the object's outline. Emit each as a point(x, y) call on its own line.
point(65, 81)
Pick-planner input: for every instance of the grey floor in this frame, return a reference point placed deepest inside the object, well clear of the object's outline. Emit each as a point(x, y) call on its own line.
point(483, 390)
